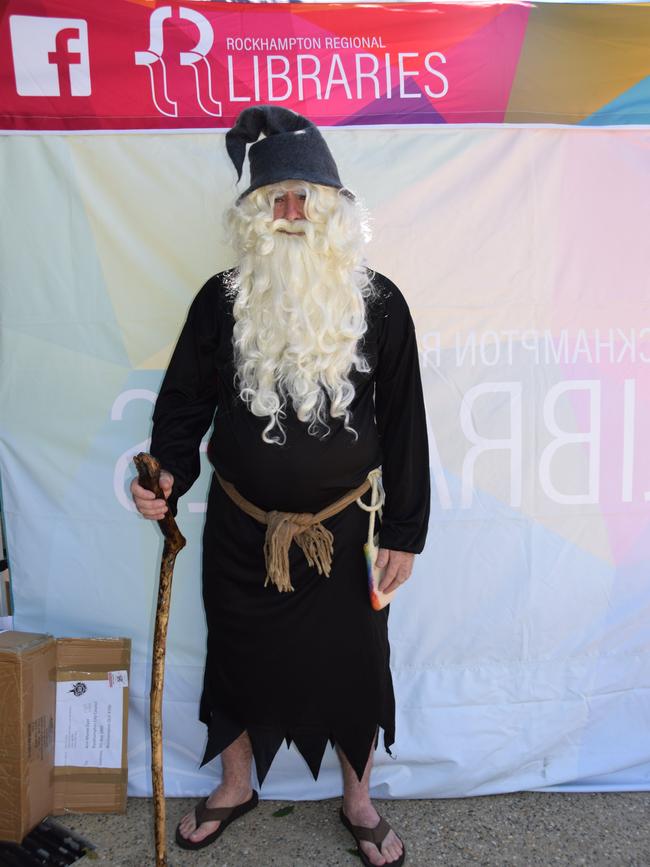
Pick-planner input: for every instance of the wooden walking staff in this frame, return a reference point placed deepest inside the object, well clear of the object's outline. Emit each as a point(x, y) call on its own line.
point(149, 478)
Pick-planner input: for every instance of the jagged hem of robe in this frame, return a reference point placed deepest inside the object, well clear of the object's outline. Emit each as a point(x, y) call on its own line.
point(354, 741)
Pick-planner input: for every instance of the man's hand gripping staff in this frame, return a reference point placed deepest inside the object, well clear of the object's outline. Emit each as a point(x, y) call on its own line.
point(149, 478)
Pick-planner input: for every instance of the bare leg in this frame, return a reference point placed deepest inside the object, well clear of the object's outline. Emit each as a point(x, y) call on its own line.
point(358, 807)
point(234, 789)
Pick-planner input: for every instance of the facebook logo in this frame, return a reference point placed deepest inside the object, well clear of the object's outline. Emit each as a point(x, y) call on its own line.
point(50, 56)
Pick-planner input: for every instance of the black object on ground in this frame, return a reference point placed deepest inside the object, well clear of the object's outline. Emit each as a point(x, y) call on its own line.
point(51, 843)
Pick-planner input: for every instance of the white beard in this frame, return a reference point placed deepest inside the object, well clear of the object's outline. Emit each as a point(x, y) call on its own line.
point(299, 316)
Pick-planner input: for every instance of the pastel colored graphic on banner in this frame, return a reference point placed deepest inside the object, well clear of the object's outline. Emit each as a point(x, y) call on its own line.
point(88, 724)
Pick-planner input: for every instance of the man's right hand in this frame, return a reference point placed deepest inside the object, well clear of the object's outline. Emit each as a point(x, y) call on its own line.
point(146, 502)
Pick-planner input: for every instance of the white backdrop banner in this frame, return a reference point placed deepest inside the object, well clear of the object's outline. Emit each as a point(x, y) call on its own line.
point(521, 646)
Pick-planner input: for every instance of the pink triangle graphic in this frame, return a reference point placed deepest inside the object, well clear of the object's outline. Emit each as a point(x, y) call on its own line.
point(481, 70)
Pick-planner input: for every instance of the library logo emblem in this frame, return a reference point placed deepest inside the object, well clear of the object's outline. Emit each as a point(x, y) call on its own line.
point(50, 56)
point(196, 58)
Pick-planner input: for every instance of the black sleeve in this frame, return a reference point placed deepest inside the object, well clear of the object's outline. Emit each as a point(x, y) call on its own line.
point(188, 396)
point(401, 421)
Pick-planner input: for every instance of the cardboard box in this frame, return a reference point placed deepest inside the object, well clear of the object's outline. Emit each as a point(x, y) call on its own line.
point(88, 788)
point(63, 728)
point(27, 701)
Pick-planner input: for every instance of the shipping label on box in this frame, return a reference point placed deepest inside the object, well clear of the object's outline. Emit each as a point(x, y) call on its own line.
point(89, 723)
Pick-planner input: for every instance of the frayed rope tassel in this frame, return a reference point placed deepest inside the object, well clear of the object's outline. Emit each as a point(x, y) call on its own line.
point(315, 541)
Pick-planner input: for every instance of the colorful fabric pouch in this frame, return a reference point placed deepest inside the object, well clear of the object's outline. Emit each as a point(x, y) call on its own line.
point(378, 600)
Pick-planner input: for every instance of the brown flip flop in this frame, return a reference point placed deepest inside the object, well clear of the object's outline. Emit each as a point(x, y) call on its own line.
point(375, 835)
point(225, 815)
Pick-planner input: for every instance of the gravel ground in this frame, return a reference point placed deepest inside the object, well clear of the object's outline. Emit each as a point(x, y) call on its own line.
point(525, 829)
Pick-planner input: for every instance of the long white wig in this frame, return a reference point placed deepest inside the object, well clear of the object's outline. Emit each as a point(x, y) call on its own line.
point(299, 306)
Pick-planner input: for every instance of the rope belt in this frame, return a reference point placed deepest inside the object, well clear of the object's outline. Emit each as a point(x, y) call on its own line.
point(305, 528)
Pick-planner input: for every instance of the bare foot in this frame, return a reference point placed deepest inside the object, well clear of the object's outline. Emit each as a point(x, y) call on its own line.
point(223, 796)
point(368, 817)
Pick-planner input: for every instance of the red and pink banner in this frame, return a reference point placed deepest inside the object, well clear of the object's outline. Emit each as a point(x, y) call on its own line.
point(74, 65)
point(80, 65)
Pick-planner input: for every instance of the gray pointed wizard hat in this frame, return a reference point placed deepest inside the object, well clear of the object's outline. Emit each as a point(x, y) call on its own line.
point(292, 149)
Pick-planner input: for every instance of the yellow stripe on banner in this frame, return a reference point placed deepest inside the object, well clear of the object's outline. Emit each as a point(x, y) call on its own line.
point(577, 59)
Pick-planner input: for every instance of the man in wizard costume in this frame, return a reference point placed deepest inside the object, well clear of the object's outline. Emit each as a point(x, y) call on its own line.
point(304, 362)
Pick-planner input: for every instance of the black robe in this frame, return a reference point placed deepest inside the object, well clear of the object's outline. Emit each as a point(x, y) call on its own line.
point(308, 666)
